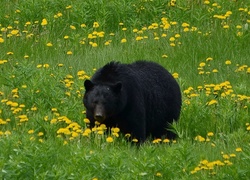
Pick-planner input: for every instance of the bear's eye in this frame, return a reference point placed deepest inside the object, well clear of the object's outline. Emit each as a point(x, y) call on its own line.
point(108, 88)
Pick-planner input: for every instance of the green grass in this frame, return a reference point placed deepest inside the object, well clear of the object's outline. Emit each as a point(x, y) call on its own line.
point(43, 134)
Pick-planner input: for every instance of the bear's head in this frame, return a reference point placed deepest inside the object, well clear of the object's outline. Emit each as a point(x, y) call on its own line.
point(102, 101)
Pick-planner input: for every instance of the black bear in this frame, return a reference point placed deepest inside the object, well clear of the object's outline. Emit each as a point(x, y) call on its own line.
point(141, 98)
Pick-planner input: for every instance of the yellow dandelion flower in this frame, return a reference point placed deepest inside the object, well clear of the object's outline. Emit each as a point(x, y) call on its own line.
point(185, 25)
point(238, 149)
point(109, 139)
point(127, 135)
point(115, 130)
point(34, 108)
point(10, 53)
point(94, 44)
point(228, 62)
point(175, 75)
point(40, 134)
point(215, 70)
point(123, 40)
point(14, 32)
point(96, 25)
point(68, 7)
point(212, 102)
point(172, 39)
point(74, 134)
point(210, 134)
point(86, 120)
point(166, 140)
point(158, 174)
point(135, 140)
point(199, 138)
point(232, 155)
point(72, 27)
point(83, 25)
point(202, 64)
point(155, 141)
point(1, 40)
point(44, 22)
point(49, 44)
point(69, 52)
point(206, 2)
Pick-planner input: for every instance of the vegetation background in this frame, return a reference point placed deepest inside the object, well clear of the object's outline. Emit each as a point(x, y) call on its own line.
point(48, 48)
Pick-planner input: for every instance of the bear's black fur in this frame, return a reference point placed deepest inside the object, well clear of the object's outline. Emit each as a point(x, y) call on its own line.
point(141, 98)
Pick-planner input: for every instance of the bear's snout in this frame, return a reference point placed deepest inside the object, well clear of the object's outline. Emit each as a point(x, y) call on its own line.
point(99, 114)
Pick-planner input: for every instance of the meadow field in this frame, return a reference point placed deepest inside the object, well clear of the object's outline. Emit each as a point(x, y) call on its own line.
point(49, 47)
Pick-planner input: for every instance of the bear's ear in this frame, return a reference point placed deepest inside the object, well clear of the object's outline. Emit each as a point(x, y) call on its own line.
point(117, 87)
point(88, 85)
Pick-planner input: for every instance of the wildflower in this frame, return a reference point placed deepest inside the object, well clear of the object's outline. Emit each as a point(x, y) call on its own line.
point(94, 44)
point(46, 65)
point(53, 121)
point(210, 134)
point(44, 22)
point(172, 44)
point(226, 26)
point(26, 56)
point(199, 138)
point(63, 131)
point(158, 174)
point(238, 149)
point(228, 62)
point(215, 70)
point(83, 25)
point(135, 140)
point(156, 141)
point(14, 32)
point(69, 53)
point(209, 59)
point(33, 108)
point(164, 56)
point(175, 75)
point(202, 64)
point(109, 139)
point(40, 134)
point(1, 40)
point(166, 140)
point(225, 156)
point(123, 40)
point(9, 53)
point(127, 135)
point(107, 42)
point(212, 102)
point(172, 3)
point(171, 39)
point(66, 37)
point(87, 121)
point(185, 25)
point(96, 25)
point(138, 38)
point(115, 130)
point(232, 155)
point(68, 7)
point(49, 44)
point(72, 27)
point(206, 2)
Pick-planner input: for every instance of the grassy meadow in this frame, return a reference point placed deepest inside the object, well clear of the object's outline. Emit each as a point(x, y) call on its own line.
point(48, 48)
